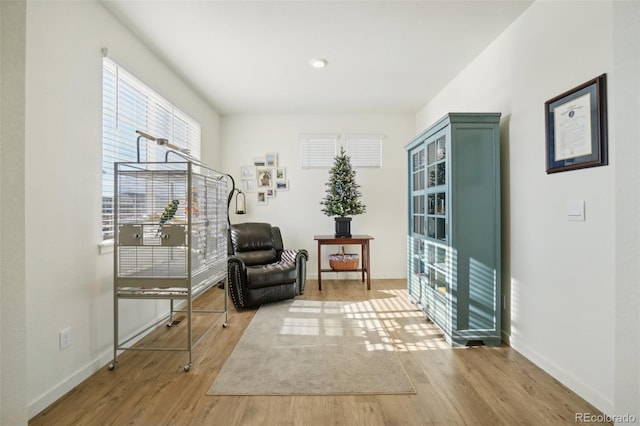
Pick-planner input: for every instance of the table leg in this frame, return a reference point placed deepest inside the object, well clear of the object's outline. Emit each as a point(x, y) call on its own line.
point(319, 267)
point(364, 259)
point(368, 267)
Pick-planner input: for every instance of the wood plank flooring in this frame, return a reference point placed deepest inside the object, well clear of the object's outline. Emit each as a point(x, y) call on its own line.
point(462, 386)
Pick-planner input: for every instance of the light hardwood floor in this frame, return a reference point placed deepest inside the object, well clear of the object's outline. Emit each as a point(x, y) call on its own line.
point(462, 386)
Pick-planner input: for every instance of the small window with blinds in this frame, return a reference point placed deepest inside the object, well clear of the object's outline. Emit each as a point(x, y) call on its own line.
point(129, 105)
point(318, 151)
point(365, 150)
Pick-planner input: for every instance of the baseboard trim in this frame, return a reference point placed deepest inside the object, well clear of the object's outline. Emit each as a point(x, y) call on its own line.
point(506, 338)
point(596, 398)
point(36, 406)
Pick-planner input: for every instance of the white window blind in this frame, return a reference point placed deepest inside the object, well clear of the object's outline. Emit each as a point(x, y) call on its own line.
point(129, 105)
point(318, 151)
point(365, 150)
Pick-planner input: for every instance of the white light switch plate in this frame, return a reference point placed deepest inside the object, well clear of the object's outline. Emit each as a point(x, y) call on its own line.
point(575, 210)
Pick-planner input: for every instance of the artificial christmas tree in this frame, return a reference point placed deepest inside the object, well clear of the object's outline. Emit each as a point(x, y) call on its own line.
point(343, 195)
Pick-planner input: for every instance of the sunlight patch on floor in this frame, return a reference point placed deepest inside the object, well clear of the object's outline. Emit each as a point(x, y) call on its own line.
point(399, 324)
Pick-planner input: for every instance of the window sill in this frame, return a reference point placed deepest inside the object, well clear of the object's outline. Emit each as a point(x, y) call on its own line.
point(105, 247)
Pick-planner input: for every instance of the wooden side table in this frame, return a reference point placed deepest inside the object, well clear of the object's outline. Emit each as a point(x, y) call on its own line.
point(361, 240)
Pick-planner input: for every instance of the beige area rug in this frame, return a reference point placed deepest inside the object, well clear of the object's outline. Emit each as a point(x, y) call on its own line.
point(307, 347)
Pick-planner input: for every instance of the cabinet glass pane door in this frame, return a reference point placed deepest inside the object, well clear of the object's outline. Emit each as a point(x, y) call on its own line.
point(418, 256)
point(437, 265)
point(416, 273)
point(418, 170)
point(418, 214)
point(436, 189)
point(418, 185)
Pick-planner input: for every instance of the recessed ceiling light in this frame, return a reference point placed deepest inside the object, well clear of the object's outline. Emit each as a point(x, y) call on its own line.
point(318, 62)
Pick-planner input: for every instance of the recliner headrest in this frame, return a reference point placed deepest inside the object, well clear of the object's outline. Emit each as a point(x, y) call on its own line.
point(251, 236)
point(253, 243)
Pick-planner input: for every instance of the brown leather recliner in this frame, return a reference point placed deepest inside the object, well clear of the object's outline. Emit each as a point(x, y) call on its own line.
point(260, 270)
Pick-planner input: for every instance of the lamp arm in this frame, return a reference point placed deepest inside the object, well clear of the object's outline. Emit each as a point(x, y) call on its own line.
point(233, 189)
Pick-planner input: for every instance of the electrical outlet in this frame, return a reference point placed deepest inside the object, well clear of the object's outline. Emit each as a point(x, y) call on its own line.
point(65, 338)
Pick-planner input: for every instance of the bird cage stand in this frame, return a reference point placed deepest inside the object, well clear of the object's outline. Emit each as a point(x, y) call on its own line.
point(170, 222)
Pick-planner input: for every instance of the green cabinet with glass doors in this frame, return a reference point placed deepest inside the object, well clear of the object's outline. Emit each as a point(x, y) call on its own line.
point(453, 244)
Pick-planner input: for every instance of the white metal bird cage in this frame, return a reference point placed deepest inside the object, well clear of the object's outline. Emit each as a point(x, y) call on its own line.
point(165, 251)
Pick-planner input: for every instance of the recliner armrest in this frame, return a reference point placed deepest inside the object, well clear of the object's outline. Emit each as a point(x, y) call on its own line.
point(237, 267)
point(236, 279)
point(294, 255)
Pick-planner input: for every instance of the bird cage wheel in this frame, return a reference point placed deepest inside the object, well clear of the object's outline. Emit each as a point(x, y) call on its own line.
point(187, 368)
point(225, 325)
point(111, 366)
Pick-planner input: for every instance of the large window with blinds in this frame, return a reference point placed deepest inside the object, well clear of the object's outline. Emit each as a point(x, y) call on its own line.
point(129, 105)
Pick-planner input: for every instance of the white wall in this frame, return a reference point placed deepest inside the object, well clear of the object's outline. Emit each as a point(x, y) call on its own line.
point(560, 276)
point(68, 284)
point(297, 211)
point(626, 133)
point(13, 410)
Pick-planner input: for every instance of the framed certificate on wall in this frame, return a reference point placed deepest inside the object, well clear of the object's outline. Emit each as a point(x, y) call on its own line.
point(576, 127)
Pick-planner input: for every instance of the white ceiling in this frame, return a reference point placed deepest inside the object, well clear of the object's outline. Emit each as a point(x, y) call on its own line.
point(252, 57)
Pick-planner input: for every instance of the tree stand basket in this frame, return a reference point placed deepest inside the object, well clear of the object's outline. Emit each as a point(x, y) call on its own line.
point(344, 261)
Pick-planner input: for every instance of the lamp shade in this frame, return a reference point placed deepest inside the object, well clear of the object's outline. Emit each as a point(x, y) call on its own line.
point(240, 203)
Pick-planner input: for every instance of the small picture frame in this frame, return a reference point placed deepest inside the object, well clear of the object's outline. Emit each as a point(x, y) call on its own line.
point(250, 185)
point(576, 127)
point(271, 193)
point(281, 173)
point(282, 185)
point(261, 198)
point(265, 178)
point(271, 159)
point(259, 161)
point(248, 172)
